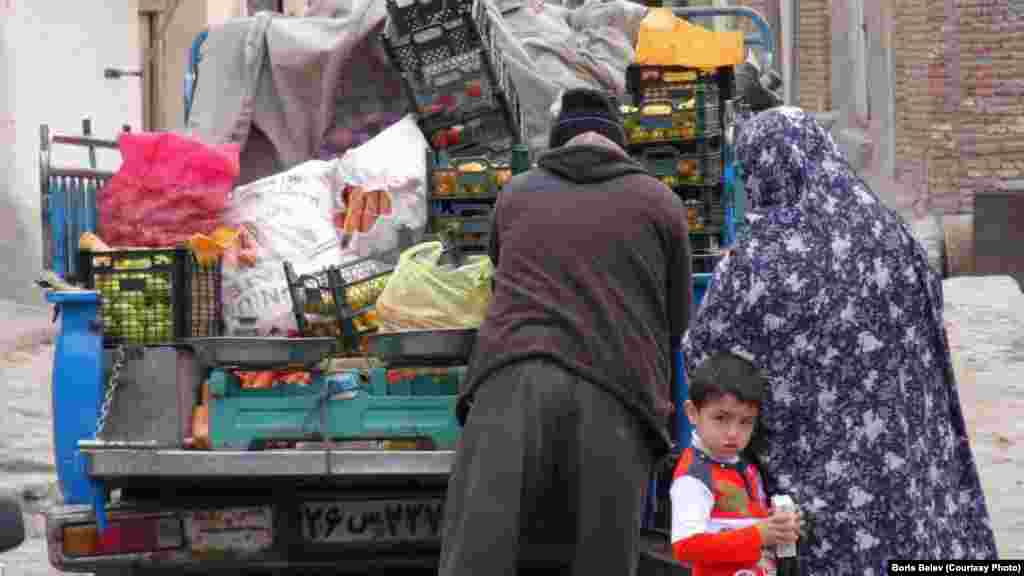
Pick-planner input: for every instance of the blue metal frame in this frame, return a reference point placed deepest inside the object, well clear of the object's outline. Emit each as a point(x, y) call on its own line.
point(734, 211)
point(734, 207)
point(192, 70)
point(68, 198)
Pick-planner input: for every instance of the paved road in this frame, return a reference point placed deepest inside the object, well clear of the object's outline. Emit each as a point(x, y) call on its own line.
point(986, 319)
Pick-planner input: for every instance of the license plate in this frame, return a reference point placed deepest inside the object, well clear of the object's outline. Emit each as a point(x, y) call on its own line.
point(385, 521)
point(240, 530)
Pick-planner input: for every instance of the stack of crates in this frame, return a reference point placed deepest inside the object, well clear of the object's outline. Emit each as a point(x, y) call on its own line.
point(676, 128)
point(466, 104)
point(462, 192)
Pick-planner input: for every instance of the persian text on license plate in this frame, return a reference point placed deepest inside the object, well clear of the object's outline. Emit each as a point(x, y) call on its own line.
point(241, 530)
point(372, 521)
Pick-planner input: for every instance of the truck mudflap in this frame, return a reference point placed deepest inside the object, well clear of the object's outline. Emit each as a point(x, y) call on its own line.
point(307, 532)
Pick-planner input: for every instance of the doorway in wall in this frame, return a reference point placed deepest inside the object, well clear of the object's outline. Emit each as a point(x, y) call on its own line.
point(254, 6)
point(155, 17)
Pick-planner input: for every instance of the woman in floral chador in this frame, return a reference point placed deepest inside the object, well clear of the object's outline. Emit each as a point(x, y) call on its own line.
point(833, 299)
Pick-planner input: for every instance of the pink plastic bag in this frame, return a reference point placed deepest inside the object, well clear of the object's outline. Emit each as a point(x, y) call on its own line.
point(168, 188)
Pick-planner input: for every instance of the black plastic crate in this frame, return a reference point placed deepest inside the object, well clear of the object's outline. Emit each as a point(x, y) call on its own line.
point(154, 297)
point(339, 301)
point(434, 57)
point(460, 208)
point(470, 235)
point(489, 133)
point(659, 121)
point(408, 15)
point(429, 49)
point(454, 76)
point(677, 83)
point(468, 178)
point(313, 304)
point(461, 89)
point(472, 230)
point(678, 166)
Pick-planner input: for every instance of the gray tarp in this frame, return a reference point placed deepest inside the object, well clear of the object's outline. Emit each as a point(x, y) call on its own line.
point(286, 75)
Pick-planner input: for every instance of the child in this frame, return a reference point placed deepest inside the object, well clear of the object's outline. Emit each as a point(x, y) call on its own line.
point(721, 523)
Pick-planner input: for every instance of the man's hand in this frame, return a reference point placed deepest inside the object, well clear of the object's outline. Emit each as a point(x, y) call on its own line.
point(780, 528)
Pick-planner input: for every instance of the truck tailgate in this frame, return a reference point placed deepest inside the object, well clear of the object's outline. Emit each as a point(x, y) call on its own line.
point(288, 510)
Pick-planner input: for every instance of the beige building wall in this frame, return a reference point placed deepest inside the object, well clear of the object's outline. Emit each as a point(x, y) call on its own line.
point(52, 61)
point(187, 20)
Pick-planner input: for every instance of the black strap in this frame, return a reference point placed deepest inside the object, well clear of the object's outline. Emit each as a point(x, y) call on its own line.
point(740, 467)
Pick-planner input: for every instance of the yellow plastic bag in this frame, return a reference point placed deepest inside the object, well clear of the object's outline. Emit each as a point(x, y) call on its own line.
point(423, 295)
point(665, 40)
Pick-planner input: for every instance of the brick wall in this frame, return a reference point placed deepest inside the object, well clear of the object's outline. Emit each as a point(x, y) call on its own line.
point(813, 48)
point(919, 76)
point(814, 60)
point(991, 109)
point(959, 98)
point(959, 92)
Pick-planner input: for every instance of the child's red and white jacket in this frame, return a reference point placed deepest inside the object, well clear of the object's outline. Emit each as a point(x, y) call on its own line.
point(715, 507)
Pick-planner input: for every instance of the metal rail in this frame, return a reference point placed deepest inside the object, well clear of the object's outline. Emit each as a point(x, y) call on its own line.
point(68, 197)
point(107, 463)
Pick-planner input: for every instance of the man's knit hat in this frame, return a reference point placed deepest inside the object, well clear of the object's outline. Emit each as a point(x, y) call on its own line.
point(585, 110)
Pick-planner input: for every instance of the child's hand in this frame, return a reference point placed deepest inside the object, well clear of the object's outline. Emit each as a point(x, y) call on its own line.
point(780, 528)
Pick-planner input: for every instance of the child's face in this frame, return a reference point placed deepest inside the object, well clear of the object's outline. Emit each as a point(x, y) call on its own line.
point(724, 424)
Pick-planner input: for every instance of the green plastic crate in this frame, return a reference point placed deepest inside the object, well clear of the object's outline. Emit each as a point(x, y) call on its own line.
point(411, 406)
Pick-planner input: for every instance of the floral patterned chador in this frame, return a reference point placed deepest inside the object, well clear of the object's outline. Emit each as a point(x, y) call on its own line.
point(831, 296)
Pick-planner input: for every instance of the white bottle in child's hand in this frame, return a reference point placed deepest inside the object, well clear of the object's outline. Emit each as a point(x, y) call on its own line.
point(786, 562)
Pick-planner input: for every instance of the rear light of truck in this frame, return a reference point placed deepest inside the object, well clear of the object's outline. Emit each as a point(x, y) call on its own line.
point(123, 536)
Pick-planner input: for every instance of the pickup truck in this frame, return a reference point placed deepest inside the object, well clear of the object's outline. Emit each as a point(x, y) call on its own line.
point(133, 504)
point(145, 506)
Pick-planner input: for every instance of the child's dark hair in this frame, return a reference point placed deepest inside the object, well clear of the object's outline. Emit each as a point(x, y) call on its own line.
point(726, 374)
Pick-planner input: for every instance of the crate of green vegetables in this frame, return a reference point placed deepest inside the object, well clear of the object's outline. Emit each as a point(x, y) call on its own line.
point(154, 297)
point(339, 301)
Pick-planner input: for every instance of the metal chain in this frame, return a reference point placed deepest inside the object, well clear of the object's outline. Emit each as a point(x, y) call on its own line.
point(111, 390)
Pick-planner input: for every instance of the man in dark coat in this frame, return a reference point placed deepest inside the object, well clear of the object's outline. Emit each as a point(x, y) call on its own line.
point(568, 393)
